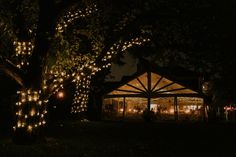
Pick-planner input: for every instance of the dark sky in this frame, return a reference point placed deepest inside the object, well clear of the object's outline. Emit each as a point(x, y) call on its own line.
point(118, 71)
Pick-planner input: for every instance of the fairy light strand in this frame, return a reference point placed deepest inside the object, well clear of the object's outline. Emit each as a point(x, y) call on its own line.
point(71, 16)
point(23, 50)
point(31, 107)
point(81, 94)
point(121, 47)
point(31, 110)
point(82, 83)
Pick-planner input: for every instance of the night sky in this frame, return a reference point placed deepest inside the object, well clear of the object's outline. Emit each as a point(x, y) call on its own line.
point(118, 71)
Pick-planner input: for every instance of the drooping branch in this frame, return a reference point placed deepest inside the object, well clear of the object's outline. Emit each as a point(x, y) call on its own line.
point(12, 71)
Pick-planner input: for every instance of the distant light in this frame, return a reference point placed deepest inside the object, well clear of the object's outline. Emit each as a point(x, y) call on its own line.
point(171, 110)
point(206, 87)
point(187, 111)
point(60, 94)
point(32, 112)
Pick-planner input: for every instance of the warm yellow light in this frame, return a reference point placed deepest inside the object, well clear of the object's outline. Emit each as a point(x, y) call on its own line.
point(40, 102)
point(32, 112)
point(29, 128)
point(29, 98)
point(60, 94)
point(171, 110)
point(18, 124)
point(187, 111)
point(35, 97)
point(20, 112)
point(14, 128)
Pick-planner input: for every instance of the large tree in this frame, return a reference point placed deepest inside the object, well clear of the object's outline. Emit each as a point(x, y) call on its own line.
point(47, 42)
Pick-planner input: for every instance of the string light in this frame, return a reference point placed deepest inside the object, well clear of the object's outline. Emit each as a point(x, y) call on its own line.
point(121, 46)
point(79, 68)
point(82, 84)
point(30, 110)
point(60, 94)
point(71, 16)
point(81, 95)
point(23, 52)
point(84, 68)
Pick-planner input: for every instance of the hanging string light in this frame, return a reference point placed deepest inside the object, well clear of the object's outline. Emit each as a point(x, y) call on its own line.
point(58, 77)
point(83, 81)
point(23, 50)
point(121, 46)
point(71, 16)
point(81, 67)
point(31, 107)
point(81, 94)
point(30, 110)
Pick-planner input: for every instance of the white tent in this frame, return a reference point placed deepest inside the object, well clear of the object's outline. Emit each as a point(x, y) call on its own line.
point(149, 90)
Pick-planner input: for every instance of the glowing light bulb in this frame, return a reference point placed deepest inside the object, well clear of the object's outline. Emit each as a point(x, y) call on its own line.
point(29, 128)
point(60, 94)
point(32, 112)
point(18, 124)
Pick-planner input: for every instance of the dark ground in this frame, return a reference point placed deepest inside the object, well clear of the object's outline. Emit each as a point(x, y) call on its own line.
point(129, 139)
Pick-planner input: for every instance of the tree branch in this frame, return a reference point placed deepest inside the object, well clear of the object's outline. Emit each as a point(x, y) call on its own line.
point(12, 71)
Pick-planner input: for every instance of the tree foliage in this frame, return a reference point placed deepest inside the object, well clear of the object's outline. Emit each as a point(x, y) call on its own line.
point(55, 42)
point(197, 35)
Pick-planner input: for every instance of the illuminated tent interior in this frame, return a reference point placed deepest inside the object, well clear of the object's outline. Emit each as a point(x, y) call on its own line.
point(169, 100)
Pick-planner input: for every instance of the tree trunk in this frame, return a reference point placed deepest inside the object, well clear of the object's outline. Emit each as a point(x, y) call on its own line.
point(30, 108)
point(80, 101)
point(46, 30)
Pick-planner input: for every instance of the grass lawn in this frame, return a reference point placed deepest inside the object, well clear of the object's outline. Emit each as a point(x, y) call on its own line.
point(129, 139)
